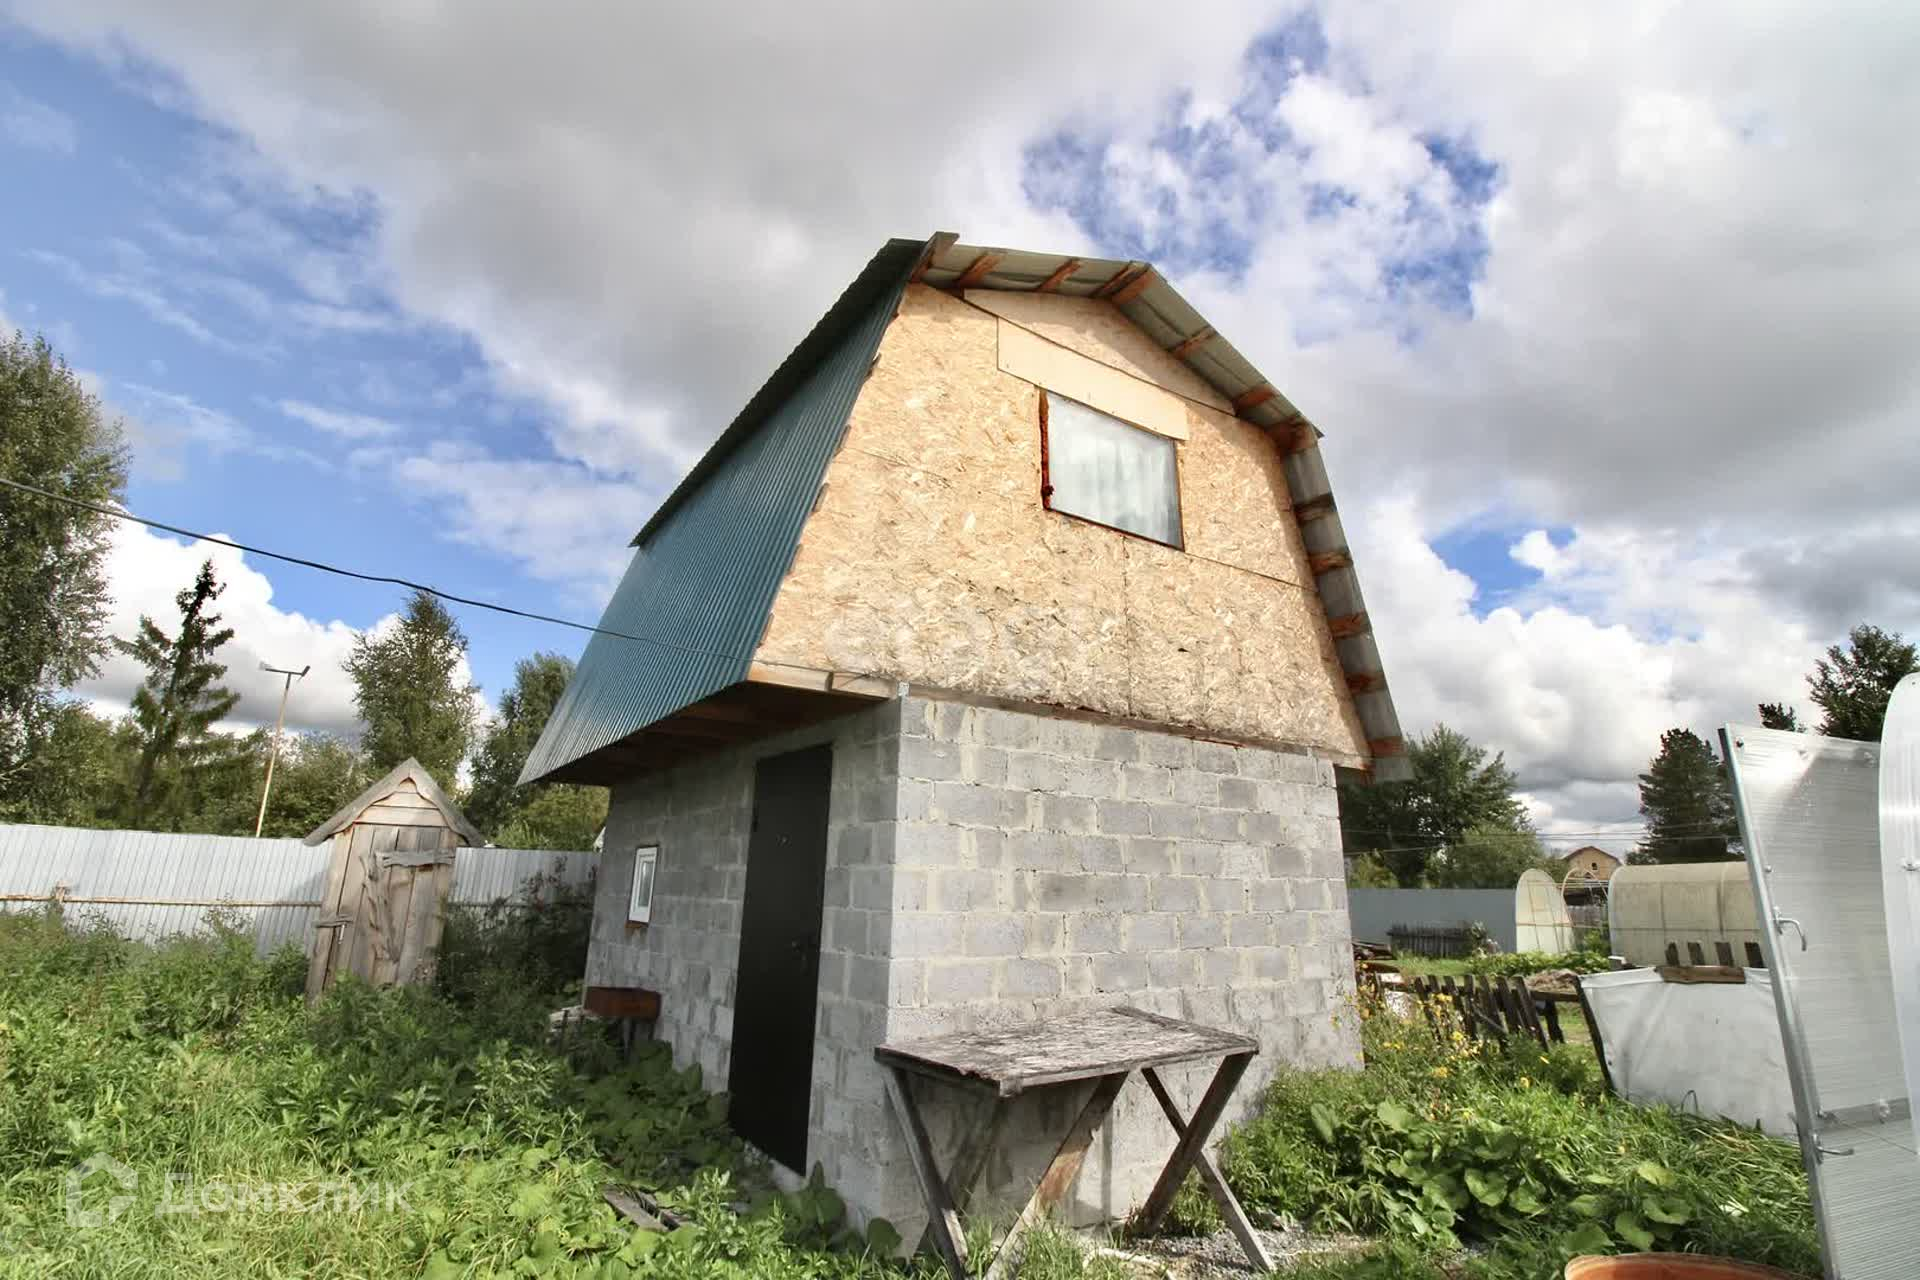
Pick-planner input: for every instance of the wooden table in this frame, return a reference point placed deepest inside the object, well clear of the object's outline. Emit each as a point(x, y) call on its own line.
point(1104, 1046)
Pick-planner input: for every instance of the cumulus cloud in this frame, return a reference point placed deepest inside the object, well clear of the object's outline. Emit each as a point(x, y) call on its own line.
point(1648, 274)
point(148, 569)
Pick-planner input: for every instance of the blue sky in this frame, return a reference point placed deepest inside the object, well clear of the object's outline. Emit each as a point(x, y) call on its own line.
point(1609, 323)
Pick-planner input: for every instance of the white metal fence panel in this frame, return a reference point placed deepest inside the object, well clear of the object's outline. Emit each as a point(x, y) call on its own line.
point(148, 884)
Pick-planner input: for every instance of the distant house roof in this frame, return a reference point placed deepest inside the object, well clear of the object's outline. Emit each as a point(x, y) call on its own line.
point(709, 562)
point(1589, 848)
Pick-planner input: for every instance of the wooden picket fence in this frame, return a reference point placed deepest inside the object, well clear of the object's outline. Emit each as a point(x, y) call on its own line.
point(1433, 941)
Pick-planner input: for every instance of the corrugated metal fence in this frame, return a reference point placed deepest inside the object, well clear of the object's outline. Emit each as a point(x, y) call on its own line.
point(147, 884)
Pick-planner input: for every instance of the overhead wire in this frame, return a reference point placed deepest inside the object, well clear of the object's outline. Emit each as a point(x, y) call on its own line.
point(321, 565)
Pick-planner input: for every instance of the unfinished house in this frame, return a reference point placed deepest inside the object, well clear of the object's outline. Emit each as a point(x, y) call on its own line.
point(995, 663)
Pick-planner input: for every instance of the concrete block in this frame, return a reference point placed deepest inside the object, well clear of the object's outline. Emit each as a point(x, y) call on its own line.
point(1101, 854)
point(1153, 932)
point(1193, 787)
point(1221, 967)
point(909, 890)
point(1069, 891)
point(984, 765)
point(1166, 749)
point(1286, 863)
point(986, 847)
point(1249, 931)
point(1093, 933)
point(1120, 972)
point(1176, 821)
point(1215, 757)
point(927, 935)
point(962, 890)
point(994, 935)
point(1271, 895)
point(1145, 782)
point(1117, 744)
point(964, 804)
point(1150, 856)
point(1175, 893)
point(1121, 817)
point(1220, 824)
point(928, 844)
point(1239, 793)
point(1033, 771)
point(959, 981)
point(1176, 969)
point(1032, 978)
point(1222, 896)
point(1046, 934)
point(1200, 859)
point(853, 845)
point(1099, 779)
point(1199, 930)
point(847, 929)
point(1121, 893)
point(1066, 813)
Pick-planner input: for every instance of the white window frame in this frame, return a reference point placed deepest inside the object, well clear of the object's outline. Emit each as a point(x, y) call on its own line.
point(639, 904)
point(1047, 488)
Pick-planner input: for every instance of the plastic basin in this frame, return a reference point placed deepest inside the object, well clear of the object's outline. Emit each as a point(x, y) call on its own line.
point(1671, 1266)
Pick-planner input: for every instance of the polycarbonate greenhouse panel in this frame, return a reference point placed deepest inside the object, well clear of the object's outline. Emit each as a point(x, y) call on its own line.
point(1810, 817)
point(1900, 866)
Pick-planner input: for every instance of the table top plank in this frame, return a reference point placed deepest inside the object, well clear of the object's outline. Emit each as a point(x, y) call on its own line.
point(1079, 1046)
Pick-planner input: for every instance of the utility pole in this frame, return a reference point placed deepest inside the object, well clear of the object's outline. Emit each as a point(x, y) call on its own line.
point(273, 754)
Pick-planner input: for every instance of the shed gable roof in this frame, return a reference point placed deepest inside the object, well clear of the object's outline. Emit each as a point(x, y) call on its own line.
point(703, 612)
point(408, 770)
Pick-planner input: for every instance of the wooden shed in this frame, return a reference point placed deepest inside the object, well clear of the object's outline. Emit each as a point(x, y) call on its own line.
point(394, 847)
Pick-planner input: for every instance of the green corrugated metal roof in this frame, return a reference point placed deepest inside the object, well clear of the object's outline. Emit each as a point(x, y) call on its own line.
point(706, 566)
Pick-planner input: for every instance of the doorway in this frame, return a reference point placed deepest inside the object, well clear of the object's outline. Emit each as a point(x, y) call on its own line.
point(770, 1081)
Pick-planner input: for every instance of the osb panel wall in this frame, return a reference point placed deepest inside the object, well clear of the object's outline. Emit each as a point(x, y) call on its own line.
point(1096, 329)
point(930, 558)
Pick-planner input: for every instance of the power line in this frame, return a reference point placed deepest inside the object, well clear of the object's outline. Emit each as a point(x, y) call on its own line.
point(322, 566)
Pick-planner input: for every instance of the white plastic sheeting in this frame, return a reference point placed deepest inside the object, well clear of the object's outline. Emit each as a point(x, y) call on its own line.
point(1900, 869)
point(1810, 819)
point(1540, 919)
point(1712, 1048)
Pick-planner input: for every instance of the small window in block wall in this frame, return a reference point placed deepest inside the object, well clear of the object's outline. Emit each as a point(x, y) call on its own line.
point(1099, 468)
point(640, 895)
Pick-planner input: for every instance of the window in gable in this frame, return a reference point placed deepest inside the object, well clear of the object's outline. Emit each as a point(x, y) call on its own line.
point(1099, 468)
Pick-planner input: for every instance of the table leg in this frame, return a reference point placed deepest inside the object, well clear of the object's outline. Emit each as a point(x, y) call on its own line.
point(1210, 1174)
point(1061, 1171)
point(1193, 1143)
point(943, 1220)
point(970, 1162)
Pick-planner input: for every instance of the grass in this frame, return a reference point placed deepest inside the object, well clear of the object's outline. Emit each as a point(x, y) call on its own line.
point(1492, 1162)
point(437, 1133)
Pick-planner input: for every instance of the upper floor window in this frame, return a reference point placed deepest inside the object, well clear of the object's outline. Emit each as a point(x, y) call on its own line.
point(1102, 469)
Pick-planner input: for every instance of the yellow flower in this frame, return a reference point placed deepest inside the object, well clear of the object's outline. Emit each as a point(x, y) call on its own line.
point(1441, 1073)
point(1543, 1057)
point(1525, 1083)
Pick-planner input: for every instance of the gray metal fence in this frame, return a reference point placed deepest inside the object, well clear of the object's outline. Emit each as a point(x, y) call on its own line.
point(149, 884)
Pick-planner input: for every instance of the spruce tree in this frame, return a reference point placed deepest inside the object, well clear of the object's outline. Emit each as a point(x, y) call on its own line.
point(1778, 715)
point(1687, 802)
point(176, 707)
point(410, 693)
point(548, 816)
point(1851, 686)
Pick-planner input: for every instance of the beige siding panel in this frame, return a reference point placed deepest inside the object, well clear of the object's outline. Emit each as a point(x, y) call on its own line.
point(1025, 354)
point(1096, 329)
point(930, 558)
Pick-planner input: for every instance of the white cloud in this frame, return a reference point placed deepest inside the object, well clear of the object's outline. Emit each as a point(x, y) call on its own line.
point(1691, 342)
point(336, 422)
point(28, 122)
point(146, 570)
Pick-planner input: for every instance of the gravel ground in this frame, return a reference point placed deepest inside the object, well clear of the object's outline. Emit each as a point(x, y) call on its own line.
point(1219, 1254)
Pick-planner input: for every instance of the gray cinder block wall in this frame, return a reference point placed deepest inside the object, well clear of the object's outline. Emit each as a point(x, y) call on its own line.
point(986, 866)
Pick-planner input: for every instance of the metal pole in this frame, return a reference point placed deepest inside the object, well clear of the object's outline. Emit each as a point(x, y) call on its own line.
point(273, 753)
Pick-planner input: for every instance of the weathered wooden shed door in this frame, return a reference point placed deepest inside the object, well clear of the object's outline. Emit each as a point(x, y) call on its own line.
point(384, 907)
point(770, 1080)
point(388, 882)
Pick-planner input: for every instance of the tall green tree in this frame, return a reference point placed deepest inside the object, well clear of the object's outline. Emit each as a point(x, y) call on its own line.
point(1778, 715)
point(53, 589)
point(1687, 801)
point(1455, 789)
point(315, 774)
point(1851, 686)
point(1491, 857)
point(408, 687)
point(177, 705)
point(547, 816)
